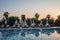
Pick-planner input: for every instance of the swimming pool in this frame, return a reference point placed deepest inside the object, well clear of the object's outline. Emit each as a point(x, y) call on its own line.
point(30, 34)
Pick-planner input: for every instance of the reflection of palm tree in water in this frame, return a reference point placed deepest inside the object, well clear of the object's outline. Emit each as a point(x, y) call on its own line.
point(0, 36)
point(36, 32)
point(26, 34)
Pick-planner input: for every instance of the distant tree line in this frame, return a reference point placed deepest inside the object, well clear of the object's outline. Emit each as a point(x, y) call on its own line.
point(11, 20)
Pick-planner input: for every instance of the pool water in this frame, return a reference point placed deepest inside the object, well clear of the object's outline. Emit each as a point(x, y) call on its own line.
point(30, 34)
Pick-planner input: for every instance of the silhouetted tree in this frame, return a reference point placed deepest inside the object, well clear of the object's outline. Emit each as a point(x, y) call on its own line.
point(28, 21)
point(48, 16)
point(36, 21)
point(23, 18)
point(50, 21)
point(0, 23)
point(44, 21)
point(36, 15)
point(57, 21)
point(4, 20)
point(12, 19)
point(6, 14)
point(58, 17)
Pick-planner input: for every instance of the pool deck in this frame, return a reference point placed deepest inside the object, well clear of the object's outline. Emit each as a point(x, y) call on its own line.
point(32, 28)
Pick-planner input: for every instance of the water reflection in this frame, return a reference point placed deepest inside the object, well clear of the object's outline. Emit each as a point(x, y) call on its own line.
point(30, 34)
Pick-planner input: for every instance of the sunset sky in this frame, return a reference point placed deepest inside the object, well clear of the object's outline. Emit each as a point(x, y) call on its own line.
point(30, 7)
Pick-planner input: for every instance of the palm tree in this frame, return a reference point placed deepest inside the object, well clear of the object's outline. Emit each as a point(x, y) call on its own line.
point(50, 20)
point(36, 15)
point(47, 20)
point(48, 16)
point(23, 18)
point(58, 16)
point(5, 19)
point(12, 19)
point(23, 21)
point(6, 14)
point(57, 21)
